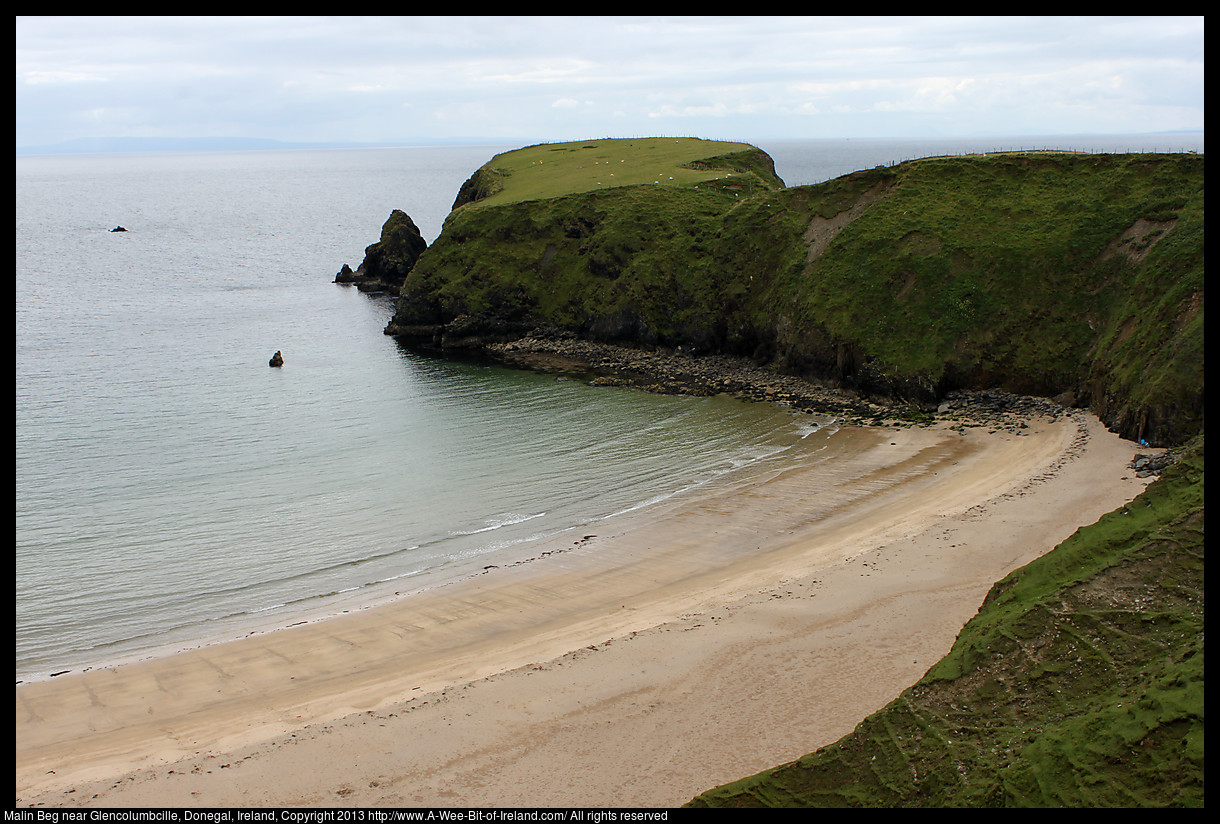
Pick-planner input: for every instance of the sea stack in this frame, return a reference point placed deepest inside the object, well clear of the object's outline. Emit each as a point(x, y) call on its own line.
point(276, 361)
point(387, 262)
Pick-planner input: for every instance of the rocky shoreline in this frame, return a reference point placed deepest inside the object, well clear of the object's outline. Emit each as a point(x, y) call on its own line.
point(683, 373)
point(679, 372)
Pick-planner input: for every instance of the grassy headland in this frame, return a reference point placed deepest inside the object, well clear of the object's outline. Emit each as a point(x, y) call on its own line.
point(553, 170)
point(1057, 274)
point(1073, 276)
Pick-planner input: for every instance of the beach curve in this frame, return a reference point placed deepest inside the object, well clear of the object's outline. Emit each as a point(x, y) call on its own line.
point(682, 648)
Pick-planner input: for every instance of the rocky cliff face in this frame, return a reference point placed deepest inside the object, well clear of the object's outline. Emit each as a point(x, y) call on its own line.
point(387, 262)
point(1075, 277)
point(482, 184)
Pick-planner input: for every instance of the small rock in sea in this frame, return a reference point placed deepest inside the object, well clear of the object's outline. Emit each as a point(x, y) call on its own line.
point(118, 229)
point(276, 360)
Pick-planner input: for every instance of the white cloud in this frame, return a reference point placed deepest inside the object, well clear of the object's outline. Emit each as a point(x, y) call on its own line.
point(718, 109)
point(405, 78)
point(527, 74)
point(35, 77)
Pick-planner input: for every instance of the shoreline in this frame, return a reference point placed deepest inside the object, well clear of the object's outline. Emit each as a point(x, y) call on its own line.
point(616, 366)
point(161, 732)
point(682, 372)
point(337, 604)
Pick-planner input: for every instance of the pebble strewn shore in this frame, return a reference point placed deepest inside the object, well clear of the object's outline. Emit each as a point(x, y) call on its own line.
point(676, 372)
point(684, 373)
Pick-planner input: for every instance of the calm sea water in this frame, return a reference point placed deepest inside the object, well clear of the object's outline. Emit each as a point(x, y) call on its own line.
point(171, 488)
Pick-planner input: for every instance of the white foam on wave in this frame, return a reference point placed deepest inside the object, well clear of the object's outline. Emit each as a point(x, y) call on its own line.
point(509, 519)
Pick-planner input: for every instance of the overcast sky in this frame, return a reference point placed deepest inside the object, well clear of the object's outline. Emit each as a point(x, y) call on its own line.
point(396, 80)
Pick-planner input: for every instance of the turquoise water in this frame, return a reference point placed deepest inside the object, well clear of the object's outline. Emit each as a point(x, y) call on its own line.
point(171, 488)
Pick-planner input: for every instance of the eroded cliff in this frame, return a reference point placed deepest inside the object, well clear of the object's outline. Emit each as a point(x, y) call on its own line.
point(1072, 276)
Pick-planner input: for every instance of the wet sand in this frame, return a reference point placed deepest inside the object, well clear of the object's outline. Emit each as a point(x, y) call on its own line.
point(724, 633)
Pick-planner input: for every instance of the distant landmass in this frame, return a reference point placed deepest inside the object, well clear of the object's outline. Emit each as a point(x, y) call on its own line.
point(94, 145)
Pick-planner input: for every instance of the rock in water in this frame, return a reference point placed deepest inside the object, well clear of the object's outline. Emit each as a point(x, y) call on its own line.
point(277, 360)
point(387, 262)
point(118, 229)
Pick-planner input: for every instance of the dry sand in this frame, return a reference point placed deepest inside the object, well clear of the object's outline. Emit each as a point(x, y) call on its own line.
point(729, 632)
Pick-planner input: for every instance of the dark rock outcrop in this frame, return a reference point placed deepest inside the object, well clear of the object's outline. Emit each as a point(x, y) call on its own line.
point(482, 184)
point(277, 360)
point(1147, 466)
point(387, 262)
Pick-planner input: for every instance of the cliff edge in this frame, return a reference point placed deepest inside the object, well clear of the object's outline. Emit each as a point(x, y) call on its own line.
point(1069, 276)
point(1077, 277)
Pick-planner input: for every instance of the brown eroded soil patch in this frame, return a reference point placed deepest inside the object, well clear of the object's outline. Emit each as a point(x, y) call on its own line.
point(1137, 239)
point(823, 230)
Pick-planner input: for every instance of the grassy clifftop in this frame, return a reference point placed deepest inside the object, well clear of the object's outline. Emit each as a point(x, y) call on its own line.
point(1078, 276)
point(557, 169)
point(1080, 683)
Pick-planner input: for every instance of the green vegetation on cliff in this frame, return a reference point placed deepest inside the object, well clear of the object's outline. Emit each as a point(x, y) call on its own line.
point(553, 170)
point(1040, 273)
point(1079, 683)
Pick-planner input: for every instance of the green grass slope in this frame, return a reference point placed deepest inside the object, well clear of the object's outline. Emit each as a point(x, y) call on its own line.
point(557, 169)
point(1041, 274)
point(1055, 274)
point(1079, 683)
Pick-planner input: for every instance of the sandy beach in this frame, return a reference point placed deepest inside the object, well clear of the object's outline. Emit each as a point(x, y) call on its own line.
point(679, 649)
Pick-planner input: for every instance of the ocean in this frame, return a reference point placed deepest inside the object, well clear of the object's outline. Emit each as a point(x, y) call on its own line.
point(172, 489)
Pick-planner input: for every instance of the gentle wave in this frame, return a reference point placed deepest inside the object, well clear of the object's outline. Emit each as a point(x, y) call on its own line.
point(171, 487)
point(507, 520)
